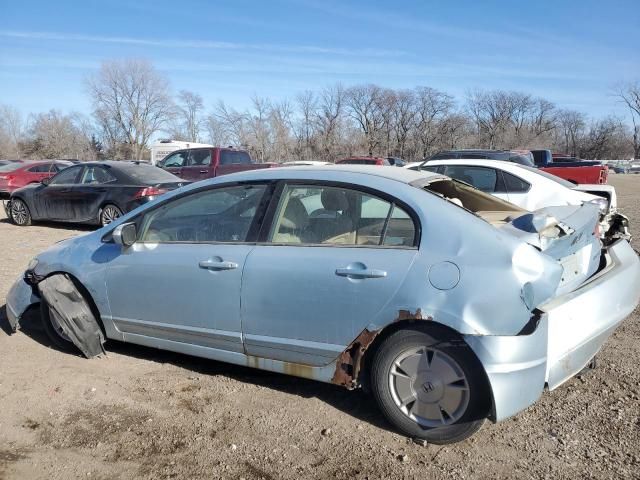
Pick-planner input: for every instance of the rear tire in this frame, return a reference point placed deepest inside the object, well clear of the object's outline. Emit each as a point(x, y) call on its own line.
point(109, 213)
point(20, 214)
point(429, 385)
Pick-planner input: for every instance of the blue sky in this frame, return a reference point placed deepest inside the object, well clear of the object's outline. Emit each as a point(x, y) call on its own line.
point(571, 52)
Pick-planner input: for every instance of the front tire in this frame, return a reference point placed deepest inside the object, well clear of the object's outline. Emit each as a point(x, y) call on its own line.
point(20, 214)
point(429, 385)
point(53, 330)
point(109, 213)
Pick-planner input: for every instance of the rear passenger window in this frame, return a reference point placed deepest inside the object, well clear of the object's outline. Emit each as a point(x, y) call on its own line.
point(232, 157)
point(482, 178)
point(200, 157)
point(515, 184)
point(339, 216)
point(96, 175)
point(41, 168)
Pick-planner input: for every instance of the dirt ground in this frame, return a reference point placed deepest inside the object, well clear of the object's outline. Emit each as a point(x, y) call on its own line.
point(143, 413)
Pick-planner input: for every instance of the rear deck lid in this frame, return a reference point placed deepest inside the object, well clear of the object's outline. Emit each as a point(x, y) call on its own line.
point(568, 234)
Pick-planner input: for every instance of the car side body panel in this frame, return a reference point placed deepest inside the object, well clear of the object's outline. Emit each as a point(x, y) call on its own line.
point(466, 275)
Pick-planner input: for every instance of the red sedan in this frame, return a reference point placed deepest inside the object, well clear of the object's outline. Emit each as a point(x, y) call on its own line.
point(17, 175)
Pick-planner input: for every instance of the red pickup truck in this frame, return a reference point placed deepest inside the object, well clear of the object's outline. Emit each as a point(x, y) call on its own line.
point(573, 169)
point(195, 164)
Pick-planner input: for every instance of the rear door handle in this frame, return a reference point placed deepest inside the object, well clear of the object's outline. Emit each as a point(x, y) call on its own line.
point(204, 171)
point(353, 273)
point(216, 265)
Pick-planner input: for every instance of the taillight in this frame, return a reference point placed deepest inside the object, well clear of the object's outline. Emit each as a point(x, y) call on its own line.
point(149, 192)
point(596, 230)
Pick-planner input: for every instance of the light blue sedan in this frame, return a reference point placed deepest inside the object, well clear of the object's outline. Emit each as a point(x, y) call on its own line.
point(451, 306)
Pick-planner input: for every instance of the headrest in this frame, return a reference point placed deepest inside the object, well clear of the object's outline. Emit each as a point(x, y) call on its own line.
point(295, 215)
point(334, 199)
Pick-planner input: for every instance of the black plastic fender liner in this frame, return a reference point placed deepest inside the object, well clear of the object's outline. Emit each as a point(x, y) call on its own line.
point(71, 311)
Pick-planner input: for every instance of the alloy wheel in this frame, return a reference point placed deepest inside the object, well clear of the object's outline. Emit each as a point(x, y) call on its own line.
point(109, 214)
point(19, 212)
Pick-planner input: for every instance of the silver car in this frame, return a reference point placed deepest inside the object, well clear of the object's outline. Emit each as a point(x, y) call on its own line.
point(451, 306)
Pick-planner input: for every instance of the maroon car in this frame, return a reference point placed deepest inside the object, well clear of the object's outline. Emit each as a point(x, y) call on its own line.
point(18, 174)
point(195, 164)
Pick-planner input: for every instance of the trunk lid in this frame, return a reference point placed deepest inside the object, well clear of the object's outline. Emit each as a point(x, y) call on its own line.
point(568, 234)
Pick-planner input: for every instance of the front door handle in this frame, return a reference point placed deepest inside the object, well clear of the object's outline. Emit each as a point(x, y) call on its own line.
point(204, 171)
point(367, 273)
point(217, 265)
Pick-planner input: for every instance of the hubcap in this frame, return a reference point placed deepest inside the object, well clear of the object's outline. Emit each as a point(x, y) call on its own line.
point(429, 387)
point(19, 212)
point(109, 214)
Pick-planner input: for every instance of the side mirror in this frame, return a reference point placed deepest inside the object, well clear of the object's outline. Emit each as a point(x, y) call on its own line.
point(45, 181)
point(125, 234)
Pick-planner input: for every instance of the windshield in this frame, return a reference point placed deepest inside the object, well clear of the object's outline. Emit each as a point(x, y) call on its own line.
point(561, 181)
point(147, 173)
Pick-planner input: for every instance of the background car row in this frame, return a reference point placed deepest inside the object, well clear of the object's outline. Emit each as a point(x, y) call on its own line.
point(94, 193)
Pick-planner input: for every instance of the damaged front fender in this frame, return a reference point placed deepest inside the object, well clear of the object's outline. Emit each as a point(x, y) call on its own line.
point(71, 311)
point(19, 299)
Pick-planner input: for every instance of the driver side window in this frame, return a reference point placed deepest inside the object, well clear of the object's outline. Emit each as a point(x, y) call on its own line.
point(217, 215)
point(177, 159)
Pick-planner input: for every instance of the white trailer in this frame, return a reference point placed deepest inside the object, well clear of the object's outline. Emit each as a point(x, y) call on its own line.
point(162, 148)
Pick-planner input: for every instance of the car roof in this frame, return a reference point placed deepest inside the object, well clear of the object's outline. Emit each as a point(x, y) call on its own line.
point(475, 150)
point(480, 162)
point(116, 163)
point(310, 172)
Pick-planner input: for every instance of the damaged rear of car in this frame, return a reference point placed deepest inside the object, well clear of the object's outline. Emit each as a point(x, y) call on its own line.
point(450, 305)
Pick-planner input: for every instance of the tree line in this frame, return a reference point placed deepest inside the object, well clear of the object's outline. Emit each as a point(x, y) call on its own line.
point(132, 104)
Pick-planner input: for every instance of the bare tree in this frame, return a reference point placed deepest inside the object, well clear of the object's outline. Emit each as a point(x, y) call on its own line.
point(329, 118)
point(304, 129)
point(431, 107)
point(131, 101)
point(454, 128)
point(234, 124)
point(188, 119)
point(404, 115)
point(56, 135)
point(259, 127)
point(520, 106)
point(630, 95)
point(280, 125)
point(493, 112)
point(363, 102)
point(12, 129)
point(597, 142)
point(543, 117)
point(570, 124)
point(217, 132)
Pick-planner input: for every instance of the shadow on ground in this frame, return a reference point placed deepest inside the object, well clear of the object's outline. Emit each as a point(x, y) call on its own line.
point(57, 225)
point(355, 403)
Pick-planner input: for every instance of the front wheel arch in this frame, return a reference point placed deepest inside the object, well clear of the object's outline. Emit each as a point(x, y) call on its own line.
point(85, 293)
